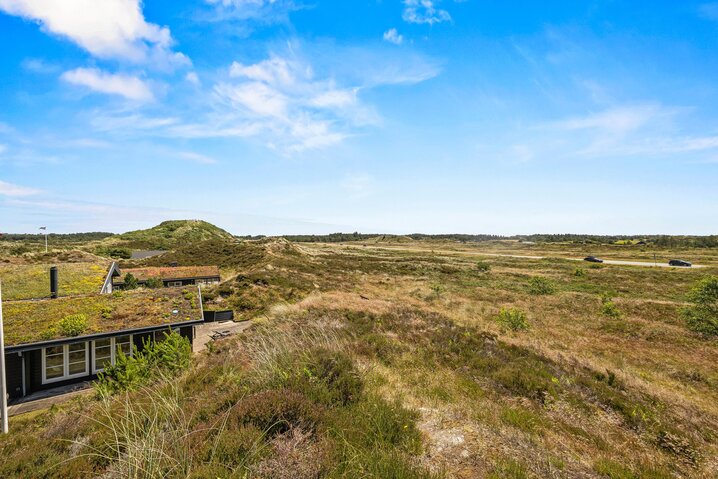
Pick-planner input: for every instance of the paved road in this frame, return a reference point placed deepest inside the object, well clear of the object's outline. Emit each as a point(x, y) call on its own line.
point(501, 255)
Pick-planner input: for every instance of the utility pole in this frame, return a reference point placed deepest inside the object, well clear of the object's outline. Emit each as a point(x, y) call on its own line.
point(3, 392)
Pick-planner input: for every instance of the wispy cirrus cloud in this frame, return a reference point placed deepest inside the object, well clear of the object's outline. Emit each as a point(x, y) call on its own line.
point(424, 12)
point(127, 86)
point(196, 158)
point(113, 29)
point(258, 11)
point(284, 100)
point(13, 190)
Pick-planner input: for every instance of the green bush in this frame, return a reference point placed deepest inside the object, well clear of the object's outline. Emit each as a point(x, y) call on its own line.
point(122, 253)
point(130, 281)
point(609, 308)
point(513, 319)
point(579, 273)
point(702, 315)
point(166, 357)
point(483, 267)
point(73, 325)
point(539, 285)
point(154, 283)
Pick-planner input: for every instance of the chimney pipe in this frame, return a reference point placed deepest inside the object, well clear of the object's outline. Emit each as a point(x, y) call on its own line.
point(53, 282)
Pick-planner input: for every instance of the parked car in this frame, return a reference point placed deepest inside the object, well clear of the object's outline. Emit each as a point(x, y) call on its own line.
point(593, 259)
point(679, 262)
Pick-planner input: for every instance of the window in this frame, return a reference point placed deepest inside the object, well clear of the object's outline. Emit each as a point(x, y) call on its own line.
point(106, 351)
point(161, 335)
point(103, 354)
point(174, 283)
point(64, 362)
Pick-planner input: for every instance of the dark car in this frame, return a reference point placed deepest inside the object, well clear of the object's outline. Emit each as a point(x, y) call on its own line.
point(593, 259)
point(679, 262)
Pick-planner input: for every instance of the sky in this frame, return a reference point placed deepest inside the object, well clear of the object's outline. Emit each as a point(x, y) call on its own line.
point(394, 116)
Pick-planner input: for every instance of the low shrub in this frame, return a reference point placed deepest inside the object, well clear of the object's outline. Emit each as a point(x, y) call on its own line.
point(702, 315)
point(154, 283)
point(482, 267)
point(277, 411)
point(157, 358)
point(130, 281)
point(539, 285)
point(579, 273)
point(513, 319)
point(73, 325)
point(610, 309)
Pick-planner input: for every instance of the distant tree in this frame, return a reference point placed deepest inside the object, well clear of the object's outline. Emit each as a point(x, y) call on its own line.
point(702, 315)
point(130, 281)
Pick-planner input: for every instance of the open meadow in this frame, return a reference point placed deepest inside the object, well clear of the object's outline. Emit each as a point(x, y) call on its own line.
point(413, 359)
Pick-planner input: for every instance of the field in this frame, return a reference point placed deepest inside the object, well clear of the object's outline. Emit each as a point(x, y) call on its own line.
point(415, 359)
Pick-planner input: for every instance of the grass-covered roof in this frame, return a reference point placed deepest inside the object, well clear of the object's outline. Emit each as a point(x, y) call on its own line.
point(33, 321)
point(32, 281)
point(171, 272)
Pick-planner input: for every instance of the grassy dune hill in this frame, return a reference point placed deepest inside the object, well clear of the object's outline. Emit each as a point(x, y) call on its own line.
point(415, 362)
point(169, 234)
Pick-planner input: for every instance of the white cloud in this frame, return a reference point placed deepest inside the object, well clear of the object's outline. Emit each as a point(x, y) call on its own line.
point(619, 120)
point(392, 36)
point(283, 98)
point(106, 29)
point(424, 11)
point(3, 148)
point(9, 189)
point(266, 11)
point(192, 77)
point(197, 158)
point(127, 86)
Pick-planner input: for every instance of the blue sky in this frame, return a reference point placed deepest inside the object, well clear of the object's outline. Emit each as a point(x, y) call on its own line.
point(399, 116)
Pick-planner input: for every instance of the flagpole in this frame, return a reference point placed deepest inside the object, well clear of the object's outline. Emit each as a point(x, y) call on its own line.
point(3, 392)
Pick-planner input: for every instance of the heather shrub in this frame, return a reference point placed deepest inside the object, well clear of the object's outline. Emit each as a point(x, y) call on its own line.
point(539, 285)
point(702, 315)
point(513, 319)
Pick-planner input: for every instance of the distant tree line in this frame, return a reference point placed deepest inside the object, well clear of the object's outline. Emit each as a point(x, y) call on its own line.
point(54, 237)
point(655, 240)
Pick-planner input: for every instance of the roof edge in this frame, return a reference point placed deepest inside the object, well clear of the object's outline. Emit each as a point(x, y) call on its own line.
point(54, 342)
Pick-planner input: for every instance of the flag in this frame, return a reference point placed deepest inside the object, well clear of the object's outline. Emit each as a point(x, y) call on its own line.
point(43, 228)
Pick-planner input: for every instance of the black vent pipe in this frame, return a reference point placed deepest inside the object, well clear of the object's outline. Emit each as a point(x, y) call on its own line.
point(53, 282)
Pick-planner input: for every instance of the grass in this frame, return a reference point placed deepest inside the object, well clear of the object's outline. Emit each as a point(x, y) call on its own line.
point(31, 321)
point(31, 281)
point(379, 362)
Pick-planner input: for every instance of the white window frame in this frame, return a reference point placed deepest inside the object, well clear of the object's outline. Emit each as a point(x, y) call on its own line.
point(65, 364)
point(113, 352)
point(174, 284)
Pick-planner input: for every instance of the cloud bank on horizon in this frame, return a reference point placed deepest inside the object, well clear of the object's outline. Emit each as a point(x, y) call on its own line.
point(283, 116)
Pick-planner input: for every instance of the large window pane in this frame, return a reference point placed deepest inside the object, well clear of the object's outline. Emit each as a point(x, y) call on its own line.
point(54, 360)
point(77, 368)
point(103, 353)
point(77, 358)
point(54, 372)
point(123, 344)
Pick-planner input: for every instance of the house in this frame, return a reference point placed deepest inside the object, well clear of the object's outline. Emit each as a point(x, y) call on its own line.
point(43, 349)
point(170, 276)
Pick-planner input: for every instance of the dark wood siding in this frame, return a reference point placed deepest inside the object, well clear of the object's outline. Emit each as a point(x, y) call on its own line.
point(13, 375)
point(33, 365)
